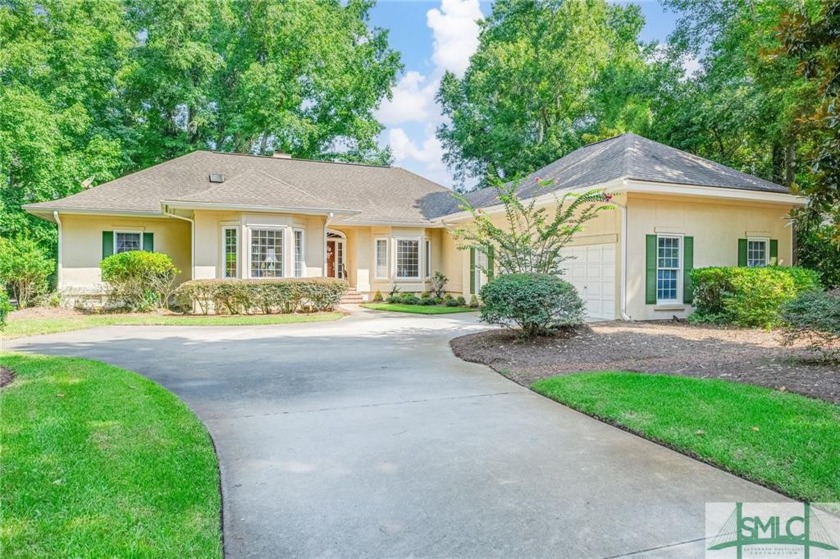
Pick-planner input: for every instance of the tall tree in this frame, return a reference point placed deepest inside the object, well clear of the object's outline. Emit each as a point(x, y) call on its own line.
point(544, 77)
point(58, 65)
point(97, 88)
point(743, 107)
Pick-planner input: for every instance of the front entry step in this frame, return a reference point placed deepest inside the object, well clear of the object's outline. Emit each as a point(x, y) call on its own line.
point(352, 297)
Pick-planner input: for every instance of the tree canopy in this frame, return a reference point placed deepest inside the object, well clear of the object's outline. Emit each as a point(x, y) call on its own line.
point(92, 89)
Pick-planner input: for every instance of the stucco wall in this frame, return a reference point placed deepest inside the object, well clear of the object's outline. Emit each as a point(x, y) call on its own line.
point(82, 245)
point(716, 226)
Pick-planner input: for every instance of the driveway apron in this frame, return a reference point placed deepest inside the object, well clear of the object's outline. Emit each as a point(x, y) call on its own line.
point(366, 437)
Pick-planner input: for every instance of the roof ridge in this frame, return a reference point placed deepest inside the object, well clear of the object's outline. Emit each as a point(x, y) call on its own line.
point(302, 160)
point(628, 152)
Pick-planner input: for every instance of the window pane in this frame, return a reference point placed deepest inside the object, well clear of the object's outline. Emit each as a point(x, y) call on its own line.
point(266, 253)
point(231, 252)
point(667, 268)
point(408, 259)
point(666, 285)
point(428, 257)
point(298, 253)
point(128, 241)
point(756, 253)
point(381, 258)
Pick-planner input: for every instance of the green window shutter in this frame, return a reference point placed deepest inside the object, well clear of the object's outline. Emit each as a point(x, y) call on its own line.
point(472, 270)
point(650, 270)
point(742, 252)
point(149, 242)
point(688, 265)
point(107, 244)
point(774, 252)
point(491, 263)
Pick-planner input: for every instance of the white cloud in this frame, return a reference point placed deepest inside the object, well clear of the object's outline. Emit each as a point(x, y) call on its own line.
point(455, 39)
point(455, 31)
point(429, 152)
point(413, 100)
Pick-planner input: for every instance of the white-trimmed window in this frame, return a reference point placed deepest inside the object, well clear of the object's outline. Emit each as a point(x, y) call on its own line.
point(408, 258)
point(299, 252)
point(668, 268)
point(427, 258)
point(230, 250)
point(758, 251)
point(381, 258)
point(125, 241)
point(266, 253)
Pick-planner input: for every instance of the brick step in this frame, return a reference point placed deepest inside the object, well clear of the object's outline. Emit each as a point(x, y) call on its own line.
point(352, 297)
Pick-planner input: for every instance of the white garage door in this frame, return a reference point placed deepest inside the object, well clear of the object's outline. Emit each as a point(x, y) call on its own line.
point(592, 272)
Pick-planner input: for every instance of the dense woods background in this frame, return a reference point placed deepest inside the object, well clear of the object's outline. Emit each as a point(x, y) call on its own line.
point(93, 89)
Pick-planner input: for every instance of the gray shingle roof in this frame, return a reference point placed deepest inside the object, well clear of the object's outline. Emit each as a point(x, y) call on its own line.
point(378, 194)
point(630, 157)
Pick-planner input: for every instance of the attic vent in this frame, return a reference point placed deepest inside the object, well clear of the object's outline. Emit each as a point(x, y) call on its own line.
point(217, 177)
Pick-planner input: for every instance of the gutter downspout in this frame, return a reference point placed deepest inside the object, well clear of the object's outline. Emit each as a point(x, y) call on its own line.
point(58, 274)
point(192, 238)
point(622, 310)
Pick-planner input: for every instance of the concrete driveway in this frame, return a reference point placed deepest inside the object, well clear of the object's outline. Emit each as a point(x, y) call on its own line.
point(366, 437)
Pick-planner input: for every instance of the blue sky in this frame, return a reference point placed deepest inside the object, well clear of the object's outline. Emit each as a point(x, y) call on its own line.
point(439, 35)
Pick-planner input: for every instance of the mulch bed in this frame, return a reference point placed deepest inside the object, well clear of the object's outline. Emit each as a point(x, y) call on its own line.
point(6, 377)
point(741, 355)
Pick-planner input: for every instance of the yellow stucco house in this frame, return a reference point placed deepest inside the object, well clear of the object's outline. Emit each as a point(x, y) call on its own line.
point(221, 215)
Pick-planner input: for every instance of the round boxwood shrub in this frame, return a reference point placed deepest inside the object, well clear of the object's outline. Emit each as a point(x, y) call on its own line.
point(139, 280)
point(538, 304)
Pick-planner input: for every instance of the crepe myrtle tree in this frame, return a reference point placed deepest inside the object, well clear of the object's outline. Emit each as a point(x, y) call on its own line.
point(531, 236)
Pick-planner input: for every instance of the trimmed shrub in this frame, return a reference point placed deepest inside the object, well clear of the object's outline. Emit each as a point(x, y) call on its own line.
point(268, 296)
point(139, 280)
point(461, 301)
point(5, 306)
point(452, 303)
point(408, 299)
point(377, 297)
point(538, 304)
point(24, 269)
point(813, 317)
point(750, 297)
point(474, 304)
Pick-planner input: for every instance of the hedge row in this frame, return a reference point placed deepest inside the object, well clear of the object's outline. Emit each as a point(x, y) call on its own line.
point(268, 296)
point(750, 297)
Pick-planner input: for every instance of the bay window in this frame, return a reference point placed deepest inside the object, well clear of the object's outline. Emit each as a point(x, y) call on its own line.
point(408, 258)
point(381, 256)
point(266, 253)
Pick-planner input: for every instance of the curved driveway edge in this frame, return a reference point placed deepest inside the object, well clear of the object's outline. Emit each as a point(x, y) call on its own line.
point(366, 437)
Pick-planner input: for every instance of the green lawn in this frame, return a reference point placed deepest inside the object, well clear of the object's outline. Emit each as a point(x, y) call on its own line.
point(17, 328)
point(781, 440)
point(416, 309)
point(99, 462)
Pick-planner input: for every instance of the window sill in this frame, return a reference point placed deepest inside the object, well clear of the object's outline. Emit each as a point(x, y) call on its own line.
point(670, 307)
point(408, 279)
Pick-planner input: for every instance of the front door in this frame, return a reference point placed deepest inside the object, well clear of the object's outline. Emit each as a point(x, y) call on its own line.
point(335, 258)
point(331, 259)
